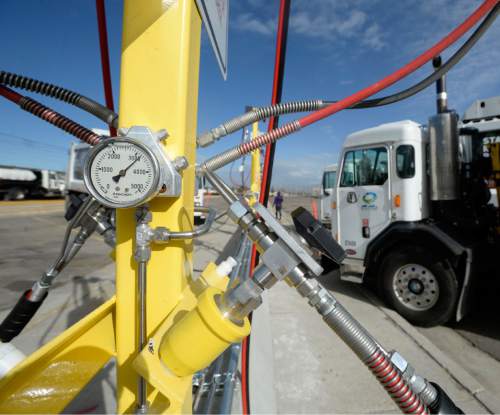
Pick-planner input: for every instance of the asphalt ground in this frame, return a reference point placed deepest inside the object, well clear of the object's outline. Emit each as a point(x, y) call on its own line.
point(30, 239)
point(31, 231)
point(481, 327)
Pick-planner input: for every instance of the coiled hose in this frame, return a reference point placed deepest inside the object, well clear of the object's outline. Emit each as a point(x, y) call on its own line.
point(60, 121)
point(62, 94)
point(365, 347)
point(236, 152)
point(218, 161)
point(49, 115)
point(258, 114)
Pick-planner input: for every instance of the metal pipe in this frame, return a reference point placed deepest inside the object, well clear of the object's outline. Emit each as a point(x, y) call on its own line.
point(67, 253)
point(225, 191)
point(209, 402)
point(230, 380)
point(142, 404)
point(199, 230)
point(441, 94)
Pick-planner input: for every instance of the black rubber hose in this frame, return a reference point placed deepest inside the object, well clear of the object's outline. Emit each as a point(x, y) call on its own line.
point(260, 113)
point(62, 94)
point(19, 317)
point(450, 63)
point(443, 405)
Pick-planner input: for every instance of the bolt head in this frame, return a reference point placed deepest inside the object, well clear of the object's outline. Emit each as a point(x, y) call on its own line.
point(162, 134)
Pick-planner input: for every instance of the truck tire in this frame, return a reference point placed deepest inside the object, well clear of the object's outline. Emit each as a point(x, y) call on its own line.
point(419, 286)
point(15, 194)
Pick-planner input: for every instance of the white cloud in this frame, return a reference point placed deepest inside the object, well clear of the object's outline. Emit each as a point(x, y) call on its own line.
point(247, 22)
point(301, 173)
point(373, 37)
point(326, 20)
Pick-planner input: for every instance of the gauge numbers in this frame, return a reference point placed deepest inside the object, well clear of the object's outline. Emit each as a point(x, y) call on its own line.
point(122, 174)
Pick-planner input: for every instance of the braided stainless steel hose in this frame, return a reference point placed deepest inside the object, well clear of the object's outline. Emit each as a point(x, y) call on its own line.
point(257, 114)
point(399, 387)
point(236, 152)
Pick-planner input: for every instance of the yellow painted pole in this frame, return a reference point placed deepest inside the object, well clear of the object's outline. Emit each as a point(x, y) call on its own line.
point(158, 89)
point(255, 169)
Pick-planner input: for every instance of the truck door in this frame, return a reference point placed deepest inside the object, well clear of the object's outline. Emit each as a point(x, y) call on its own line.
point(363, 198)
point(327, 187)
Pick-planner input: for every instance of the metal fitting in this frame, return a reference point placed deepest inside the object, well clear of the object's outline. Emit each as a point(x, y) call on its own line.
point(236, 211)
point(209, 137)
point(143, 236)
point(322, 300)
point(417, 383)
point(399, 361)
point(264, 277)
point(162, 134)
point(180, 163)
point(279, 259)
point(104, 228)
point(238, 302)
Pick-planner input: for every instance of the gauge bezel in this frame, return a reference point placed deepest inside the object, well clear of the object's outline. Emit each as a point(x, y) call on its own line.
point(87, 177)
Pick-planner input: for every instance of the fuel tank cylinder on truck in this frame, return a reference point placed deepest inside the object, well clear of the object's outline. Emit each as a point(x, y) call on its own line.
point(443, 156)
point(443, 146)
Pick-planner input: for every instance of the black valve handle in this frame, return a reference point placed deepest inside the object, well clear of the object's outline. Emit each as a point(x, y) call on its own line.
point(19, 316)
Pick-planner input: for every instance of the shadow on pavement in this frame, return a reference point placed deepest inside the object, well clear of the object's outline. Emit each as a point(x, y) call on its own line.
point(481, 326)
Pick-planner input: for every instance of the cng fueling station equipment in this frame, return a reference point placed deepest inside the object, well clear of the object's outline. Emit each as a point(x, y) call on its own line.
point(163, 326)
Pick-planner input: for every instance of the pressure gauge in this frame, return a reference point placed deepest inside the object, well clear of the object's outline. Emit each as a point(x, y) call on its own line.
point(128, 171)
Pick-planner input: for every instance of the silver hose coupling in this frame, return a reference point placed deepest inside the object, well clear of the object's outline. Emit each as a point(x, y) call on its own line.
point(417, 383)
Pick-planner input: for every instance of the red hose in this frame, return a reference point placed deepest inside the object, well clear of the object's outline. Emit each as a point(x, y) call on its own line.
point(293, 126)
point(404, 71)
point(279, 65)
point(10, 94)
point(106, 72)
point(51, 116)
point(273, 134)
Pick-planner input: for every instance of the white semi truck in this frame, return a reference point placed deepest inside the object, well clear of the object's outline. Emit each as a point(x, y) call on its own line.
point(412, 208)
point(17, 183)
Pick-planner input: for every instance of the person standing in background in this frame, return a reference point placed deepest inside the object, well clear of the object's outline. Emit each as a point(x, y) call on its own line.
point(278, 204)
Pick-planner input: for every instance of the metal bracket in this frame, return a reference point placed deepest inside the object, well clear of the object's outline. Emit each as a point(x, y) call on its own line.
point(279, 230)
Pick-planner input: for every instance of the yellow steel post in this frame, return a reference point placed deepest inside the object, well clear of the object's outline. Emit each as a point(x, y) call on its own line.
point(159, 89)
point(255, 169)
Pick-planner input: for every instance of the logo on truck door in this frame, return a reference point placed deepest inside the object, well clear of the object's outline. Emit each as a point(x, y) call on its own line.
point(351, 197)
point(369, 199)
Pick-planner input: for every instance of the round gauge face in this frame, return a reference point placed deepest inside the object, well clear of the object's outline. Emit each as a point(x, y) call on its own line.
point(122, 174)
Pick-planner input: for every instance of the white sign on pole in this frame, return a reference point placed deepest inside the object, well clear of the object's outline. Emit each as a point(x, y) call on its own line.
point(215, 15)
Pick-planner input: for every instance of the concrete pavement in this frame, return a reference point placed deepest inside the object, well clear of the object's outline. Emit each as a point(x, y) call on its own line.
point(299, 365)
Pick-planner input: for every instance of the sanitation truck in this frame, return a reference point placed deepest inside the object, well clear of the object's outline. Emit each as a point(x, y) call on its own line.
point(414, 211)
point(17, 183)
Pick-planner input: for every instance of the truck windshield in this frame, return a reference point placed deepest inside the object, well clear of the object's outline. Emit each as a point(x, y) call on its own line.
point(364, 167)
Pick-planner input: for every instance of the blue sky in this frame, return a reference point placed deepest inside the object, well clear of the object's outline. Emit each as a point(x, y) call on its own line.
point(335, 47)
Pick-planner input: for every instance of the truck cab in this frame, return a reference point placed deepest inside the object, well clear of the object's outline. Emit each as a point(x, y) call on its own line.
point(382, 180)
point(413, 211)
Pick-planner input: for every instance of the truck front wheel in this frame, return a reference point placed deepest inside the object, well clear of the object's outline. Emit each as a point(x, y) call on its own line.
point(421, 288)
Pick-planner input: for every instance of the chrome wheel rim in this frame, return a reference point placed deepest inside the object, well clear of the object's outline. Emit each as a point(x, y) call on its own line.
point(416, 287)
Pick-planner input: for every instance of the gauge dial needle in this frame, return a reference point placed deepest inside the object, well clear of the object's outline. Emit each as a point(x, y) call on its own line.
point(122, 172)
